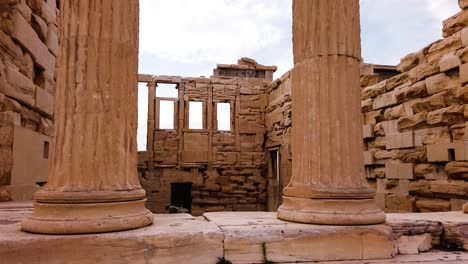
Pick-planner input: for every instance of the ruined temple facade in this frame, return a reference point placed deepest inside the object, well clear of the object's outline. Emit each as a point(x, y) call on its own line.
point(207, 167)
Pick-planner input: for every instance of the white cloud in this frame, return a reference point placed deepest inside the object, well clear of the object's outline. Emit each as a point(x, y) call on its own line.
point(442, 9)
point(210, 30)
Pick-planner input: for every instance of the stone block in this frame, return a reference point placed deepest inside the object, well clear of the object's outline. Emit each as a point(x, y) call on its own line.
point(176, 238)
point(438, 152)
point(464, 36)
point(457, 170)
point(367, 131)
point(374, 90)
point(451, 187)
point(254, 237)
point(396, 203)
point(20, 87)
point(52, 40)
point(10, 118)
point(398, 170)
point(438, 83)
point(412, 121)
point(385, 100)
point(44, 101)
point(446, 116)
point(449, 61)
point(455, 23)
point(425, 205)
point(457, 204)
point(400, 140)
point(417, 90)
point(369, 158)
point(430, 136)
point(414, 244)
point(461, 150)
point(463, 4)
point(27, 37)
point(464, 73)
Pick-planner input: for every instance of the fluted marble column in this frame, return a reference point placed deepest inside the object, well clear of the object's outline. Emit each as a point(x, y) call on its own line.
point(328, 184)
point(93, 184)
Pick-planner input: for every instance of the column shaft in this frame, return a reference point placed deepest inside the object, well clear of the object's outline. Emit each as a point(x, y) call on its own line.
point(328, 184)
point(93, 184)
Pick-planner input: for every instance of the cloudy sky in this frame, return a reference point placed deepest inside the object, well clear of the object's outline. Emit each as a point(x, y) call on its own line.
point(188, 38)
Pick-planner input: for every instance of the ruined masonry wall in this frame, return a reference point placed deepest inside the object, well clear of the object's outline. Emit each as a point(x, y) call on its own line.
point(225, 168)
point(415, 128)
point(28, 51)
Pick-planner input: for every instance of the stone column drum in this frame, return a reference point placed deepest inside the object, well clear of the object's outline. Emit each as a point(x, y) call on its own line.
point(93, 184)
point(328, 184)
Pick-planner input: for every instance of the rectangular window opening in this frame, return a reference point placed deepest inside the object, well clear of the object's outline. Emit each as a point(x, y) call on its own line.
point(142, 130)
point(195, 115)
point(167, 90)
point(223, 113)
point(166, 114)
point(46, 150)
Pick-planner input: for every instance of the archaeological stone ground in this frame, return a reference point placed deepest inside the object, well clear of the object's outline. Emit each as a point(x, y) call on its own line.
point(337, 160)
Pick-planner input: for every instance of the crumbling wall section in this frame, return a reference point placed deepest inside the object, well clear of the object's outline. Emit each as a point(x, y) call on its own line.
point(28, 51)
point(415, 127)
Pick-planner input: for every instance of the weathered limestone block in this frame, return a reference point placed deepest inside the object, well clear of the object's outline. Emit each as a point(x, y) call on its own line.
point(424, 70)
point(400, 140)
point(438, 152)
point(367, 104)
point(457, 170)
point(374, 90)
point(369, 79)
point(397, 112)
point(454, 187)
point(396, 203)
point(416, 90)
point(412, 60)
point(27, 37)
point(420, 188)
point(400, 80)
point(430, 103)
point(40, 26)
point(384, 100)
point(414, 244)
point(52, 40)
point(457, 204)
point(399, 170)
point(455, 235)
point(20, 87)
point(412, 155)
point(432, 205)
point(461, 93)
point(430, 136)
point(463, 4)
point(459, 131)
point(412, 121)
point(256, 237)
point(455, 23)
point(429, 171)
point(44, 101)
point(444, 46)
point(446, 116)
point(440, 82)
point(449, 61)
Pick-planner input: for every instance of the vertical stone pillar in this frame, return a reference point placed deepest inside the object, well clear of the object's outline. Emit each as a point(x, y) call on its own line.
point(328, 184)
point(151, 124)
point(93, 184)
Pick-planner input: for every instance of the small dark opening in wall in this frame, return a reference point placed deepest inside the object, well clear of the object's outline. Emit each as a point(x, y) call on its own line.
point(46, 150)
point(181, 195)
point(41, 184)
point(451, 153)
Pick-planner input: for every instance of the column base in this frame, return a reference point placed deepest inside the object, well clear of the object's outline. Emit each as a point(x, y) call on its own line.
point(331, 211)
point(86, 218)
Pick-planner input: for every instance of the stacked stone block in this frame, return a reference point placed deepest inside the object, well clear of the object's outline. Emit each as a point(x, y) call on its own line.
point(28, 53)
point(415, 126)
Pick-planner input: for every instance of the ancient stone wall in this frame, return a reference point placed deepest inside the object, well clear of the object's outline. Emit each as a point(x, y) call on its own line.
point(278, 133)
point(414, 127)
point(223, 169)
point(28, 53)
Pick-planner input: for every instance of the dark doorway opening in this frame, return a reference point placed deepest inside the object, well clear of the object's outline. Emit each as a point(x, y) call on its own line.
point(181, 195)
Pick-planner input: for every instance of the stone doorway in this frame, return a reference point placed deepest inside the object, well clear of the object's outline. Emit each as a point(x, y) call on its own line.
point(181, 195)
point(274, 179)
